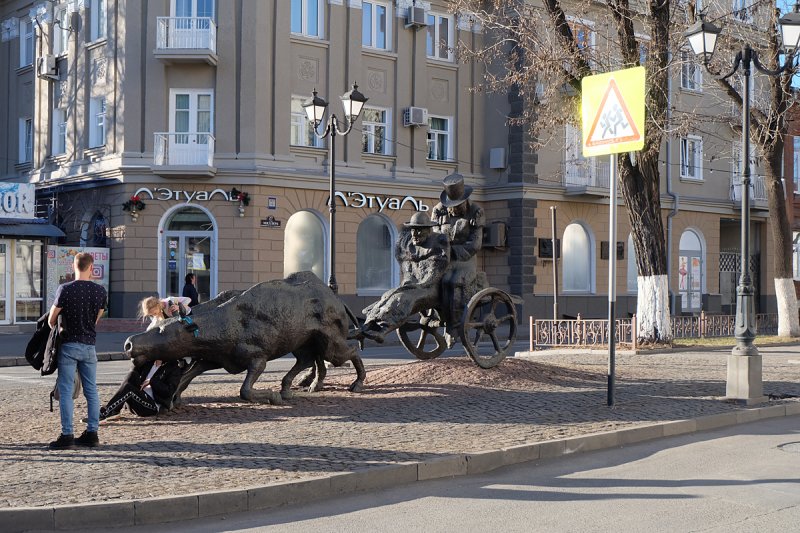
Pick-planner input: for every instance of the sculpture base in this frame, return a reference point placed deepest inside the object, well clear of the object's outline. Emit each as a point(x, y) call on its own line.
point(744, 383)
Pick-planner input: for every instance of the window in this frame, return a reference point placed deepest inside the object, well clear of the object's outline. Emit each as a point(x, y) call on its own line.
point(25, 42)
point(692, 157)
point(375, 25)
point(796, 255)
point(741, 12)
point(440, 37)
point(28, 280)
point(578, 256)
point(59, 131)
point(375, 256)
point(583, 33)
point(304, 245)
point(60, 31)
point(796, 167)
point(25, 140)
point(307, 17)
point(633, 269)
point(690, 271)
point(302, 129)
point(736, 170)
point(374, 128)
point(97, 20)
point(439, 139)
point(97, 124)
point(691, 72)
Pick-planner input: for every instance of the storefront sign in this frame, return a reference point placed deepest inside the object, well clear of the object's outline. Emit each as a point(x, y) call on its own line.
point(270, 222)
point(59, 267)
point(17, 200)
point(361, 200)
point(272, 202)
point(179, 195)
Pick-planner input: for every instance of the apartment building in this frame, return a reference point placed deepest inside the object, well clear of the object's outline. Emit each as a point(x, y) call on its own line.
point(173, 133)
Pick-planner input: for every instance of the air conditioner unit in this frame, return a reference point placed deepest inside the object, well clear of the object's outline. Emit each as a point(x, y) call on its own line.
point(47, 68)
point(416, 17)
point(415, 116)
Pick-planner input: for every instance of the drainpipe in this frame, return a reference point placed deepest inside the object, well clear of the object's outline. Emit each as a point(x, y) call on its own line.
point(670, 193)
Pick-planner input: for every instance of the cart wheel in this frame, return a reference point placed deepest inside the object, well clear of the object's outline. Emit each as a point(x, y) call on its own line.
point(490, 327)
point(424, 339)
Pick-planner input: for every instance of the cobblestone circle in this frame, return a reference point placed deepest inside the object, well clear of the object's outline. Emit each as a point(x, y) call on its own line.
point(407, 412)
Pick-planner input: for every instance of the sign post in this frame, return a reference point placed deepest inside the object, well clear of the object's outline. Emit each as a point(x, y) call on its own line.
point(612, 113)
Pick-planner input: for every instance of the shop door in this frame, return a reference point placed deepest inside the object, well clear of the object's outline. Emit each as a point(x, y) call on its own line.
point(690, 282)
point(188, 252)
point(5, 282)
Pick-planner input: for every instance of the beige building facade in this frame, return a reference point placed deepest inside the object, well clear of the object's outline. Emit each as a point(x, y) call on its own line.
point(173, 133)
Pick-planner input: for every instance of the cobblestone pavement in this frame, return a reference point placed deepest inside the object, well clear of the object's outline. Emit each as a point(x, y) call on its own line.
point(408, 412)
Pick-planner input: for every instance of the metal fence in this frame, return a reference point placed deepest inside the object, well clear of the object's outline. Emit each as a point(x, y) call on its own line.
point(587, 333)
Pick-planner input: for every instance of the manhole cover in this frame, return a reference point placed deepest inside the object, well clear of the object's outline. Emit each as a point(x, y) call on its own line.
point(793, 447)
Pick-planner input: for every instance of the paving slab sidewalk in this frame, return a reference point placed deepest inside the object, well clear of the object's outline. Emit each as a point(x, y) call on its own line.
point(415, 421)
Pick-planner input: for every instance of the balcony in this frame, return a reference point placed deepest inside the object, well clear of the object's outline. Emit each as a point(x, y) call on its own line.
point(186, 40)
point(758, 190)
point(187, 155)
point(588, 177)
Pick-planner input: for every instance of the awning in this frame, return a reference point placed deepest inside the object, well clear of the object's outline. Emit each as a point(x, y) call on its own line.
point(38, 227)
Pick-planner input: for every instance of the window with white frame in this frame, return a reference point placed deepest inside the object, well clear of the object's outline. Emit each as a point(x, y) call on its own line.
point(692, 157)
point(376, 25)
point(302, 130)
point(742, 11)
point(59, 131)
point(691, 72)
point(375, 264)
point(441, 37)
point(25, 42)
point(304, 245)
point(577, 259)
point(25, 140)
point(440, 138)
point(307, 17)
point(97, 20)
point(60, 31)
point(375, 127)
point(796, 166)
point(97, 122)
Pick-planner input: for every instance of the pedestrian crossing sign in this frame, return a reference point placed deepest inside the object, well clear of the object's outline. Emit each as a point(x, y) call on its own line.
point(612, 112)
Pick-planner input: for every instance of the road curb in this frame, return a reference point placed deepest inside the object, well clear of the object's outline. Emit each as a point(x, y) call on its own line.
point(205, 504)
point(21, 361)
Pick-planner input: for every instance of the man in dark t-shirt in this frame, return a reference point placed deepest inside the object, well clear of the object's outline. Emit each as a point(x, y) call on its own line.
point(80, 305)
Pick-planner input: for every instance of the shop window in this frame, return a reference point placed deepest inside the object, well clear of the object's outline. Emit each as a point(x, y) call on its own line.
point(375, 255)
point(578, 270)
point(690, 271)
point(304, 245)
point(28, 281)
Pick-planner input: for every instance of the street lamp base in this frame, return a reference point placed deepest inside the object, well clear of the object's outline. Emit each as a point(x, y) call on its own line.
point(744, 384)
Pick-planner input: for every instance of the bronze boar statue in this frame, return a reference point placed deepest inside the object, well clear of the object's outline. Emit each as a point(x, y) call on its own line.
point(241, 331)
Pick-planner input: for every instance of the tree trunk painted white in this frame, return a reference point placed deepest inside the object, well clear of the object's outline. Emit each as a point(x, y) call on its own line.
point(788, 323)
point(652, 309)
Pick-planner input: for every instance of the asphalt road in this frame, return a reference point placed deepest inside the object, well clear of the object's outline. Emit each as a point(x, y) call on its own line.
point(741, 479)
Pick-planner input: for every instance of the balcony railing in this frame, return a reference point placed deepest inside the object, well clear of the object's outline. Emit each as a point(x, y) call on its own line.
point(758, 190)
point(585, 173)
point(186, 33)
point(183, 149)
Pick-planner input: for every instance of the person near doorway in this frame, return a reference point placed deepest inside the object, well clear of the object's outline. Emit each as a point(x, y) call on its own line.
point(190, 291)
point(80, 303)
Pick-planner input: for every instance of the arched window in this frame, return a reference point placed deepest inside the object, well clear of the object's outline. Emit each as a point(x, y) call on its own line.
point(304, 245)
point(633, 270)
point(577, 259)
point(690, 271)
point(375, 264)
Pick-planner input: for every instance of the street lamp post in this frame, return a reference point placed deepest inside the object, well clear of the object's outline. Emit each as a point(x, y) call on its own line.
point(744, 383)
point(353, 102)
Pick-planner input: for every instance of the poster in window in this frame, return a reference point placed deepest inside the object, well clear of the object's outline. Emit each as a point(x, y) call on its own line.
point(198, 262)
point(695, 300)
point(683, 271)
point(696, 276)
point(59, 267)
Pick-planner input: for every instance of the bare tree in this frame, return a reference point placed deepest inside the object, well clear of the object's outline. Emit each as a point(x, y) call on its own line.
point(542, 51)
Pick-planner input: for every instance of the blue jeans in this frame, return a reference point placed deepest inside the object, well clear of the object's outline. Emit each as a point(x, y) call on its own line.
point(74, 355)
